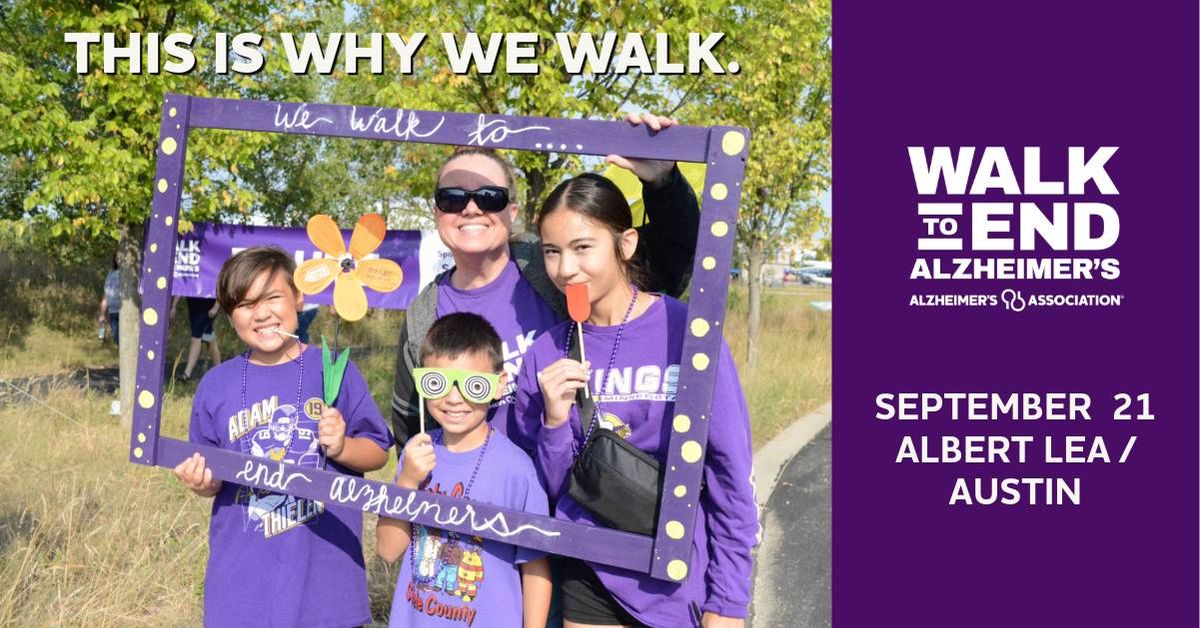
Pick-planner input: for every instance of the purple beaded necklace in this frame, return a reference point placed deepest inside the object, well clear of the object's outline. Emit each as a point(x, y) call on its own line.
point(438, 439)
point(287, 445)
point(597, 412)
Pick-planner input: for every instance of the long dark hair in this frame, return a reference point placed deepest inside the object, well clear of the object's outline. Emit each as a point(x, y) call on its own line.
point(602, 201)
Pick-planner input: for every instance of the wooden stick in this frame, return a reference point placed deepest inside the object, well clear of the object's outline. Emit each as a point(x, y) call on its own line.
point(582, 358)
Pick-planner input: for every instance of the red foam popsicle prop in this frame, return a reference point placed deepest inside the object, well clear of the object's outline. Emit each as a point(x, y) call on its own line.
point(579, 308)
point(578, 305)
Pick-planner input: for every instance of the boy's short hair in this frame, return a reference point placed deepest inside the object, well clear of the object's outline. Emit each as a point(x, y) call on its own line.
point(461, 333)
point(239, 272)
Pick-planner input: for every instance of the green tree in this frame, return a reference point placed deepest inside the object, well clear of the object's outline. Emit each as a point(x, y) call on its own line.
point(551, 92)
point(783, 96)
point(80, 148)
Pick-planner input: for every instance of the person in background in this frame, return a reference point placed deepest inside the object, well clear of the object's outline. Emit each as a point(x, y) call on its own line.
point(305, 319)
point(110, 303)
point(201, 313)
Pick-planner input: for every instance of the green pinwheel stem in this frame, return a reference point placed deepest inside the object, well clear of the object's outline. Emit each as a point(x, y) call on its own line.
point(333, 371)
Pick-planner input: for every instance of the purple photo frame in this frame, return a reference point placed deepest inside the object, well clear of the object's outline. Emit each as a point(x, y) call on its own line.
point(723, 148)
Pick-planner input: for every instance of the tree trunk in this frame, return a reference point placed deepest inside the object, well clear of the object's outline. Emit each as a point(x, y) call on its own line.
point(536, 180)
point(129, 255)
point(754, 315)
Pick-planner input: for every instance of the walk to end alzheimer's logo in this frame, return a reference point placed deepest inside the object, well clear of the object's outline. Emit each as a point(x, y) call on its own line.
point(975, 230)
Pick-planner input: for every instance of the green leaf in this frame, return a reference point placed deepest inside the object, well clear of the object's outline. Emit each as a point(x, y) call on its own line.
point(333, 372)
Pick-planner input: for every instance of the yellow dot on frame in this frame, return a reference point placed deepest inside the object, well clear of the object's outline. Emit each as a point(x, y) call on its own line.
point(150, 316)
point(162, 185)
point(699, 328)
point(141, 437)
point(720, 228)
point(168, 146)
point(700, 361)
point(677, 569)
point(680, 490)
point(149, 355)
point(172, 112)
point(161, 283)
point(169, 220)
point(682, 423)
point(708, 263)
point(690, 451)
point(718, 192)
point(146, 399)
point(675, 530)
point(153, 247)
point(733, 142)
point(137, 452)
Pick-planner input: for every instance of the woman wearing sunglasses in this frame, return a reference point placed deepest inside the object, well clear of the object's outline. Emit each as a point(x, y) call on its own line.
point(501, 275)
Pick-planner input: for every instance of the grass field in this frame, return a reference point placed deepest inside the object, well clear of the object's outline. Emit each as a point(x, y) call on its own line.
point(88, 539)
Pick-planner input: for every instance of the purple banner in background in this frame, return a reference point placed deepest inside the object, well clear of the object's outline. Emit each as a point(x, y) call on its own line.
point(200, 253)
point(1015, 343)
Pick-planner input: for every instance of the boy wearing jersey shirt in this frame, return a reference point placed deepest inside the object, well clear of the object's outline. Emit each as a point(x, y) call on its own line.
point(448, 578)
point(275, 559)
point(480, 236)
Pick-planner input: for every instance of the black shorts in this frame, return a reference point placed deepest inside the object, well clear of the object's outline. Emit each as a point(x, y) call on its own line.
point(586, 601)
point(198, 316)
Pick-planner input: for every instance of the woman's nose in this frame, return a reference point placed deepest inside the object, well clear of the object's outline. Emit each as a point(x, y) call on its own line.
point(472, 209)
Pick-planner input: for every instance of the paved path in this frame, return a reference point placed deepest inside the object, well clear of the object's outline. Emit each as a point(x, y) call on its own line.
point(793, 575)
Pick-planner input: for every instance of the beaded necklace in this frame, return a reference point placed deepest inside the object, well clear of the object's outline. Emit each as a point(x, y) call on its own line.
point(438, 439)
point(299, 397)
point(597, 412)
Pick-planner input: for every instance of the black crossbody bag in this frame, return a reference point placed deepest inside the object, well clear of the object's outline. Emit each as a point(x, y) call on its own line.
point(618, 483)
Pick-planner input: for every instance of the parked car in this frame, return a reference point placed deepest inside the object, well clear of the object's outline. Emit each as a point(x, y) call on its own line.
point(817, 276)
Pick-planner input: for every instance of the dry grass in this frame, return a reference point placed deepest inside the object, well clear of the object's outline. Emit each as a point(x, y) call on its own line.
point(71, 351)
point(794, 374)
point(85, 537)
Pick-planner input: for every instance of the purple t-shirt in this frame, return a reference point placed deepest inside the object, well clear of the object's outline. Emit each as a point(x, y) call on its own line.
point(275, 559)
point(464, 580)
point(638, 402)
point(519, 315)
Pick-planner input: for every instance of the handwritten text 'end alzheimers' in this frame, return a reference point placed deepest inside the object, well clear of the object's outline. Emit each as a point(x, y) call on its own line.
point(246, 53)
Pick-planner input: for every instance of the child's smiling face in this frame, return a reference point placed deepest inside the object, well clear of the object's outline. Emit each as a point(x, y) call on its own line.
point(580, 250)
point(270, 304)
point(458, 416)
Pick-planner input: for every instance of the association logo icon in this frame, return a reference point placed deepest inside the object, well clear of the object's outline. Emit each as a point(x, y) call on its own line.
point(1012, 300)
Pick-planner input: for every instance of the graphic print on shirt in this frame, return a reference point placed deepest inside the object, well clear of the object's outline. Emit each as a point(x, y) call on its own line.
point(447, 570)
point(282, 433)
point(513, 352)
point(614, 424)
point(649, 382)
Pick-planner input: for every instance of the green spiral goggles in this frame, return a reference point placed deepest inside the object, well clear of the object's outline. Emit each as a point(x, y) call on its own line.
point(474, 386)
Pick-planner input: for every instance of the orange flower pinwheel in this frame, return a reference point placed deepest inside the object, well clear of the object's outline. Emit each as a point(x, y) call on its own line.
point(347, 270)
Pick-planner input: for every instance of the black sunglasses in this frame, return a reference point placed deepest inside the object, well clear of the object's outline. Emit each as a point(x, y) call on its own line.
point(489, 198)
